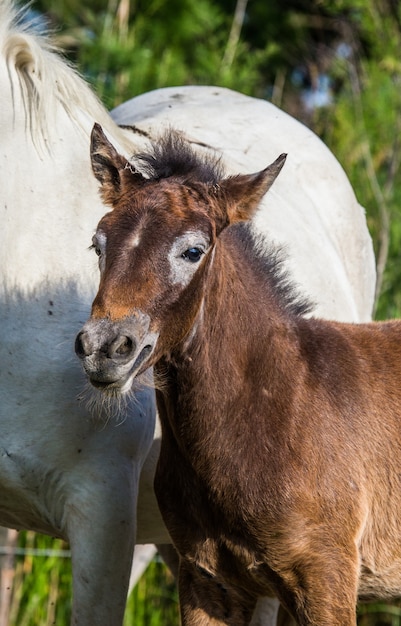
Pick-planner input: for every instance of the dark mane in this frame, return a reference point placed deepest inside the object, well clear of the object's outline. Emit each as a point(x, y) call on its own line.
point(171, 155)
point(271, 264)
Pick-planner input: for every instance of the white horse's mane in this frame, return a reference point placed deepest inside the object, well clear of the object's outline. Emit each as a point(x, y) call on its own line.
point(45, 78)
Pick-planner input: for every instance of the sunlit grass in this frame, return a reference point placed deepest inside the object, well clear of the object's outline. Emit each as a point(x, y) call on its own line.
point(154, 600)
point(41, 589)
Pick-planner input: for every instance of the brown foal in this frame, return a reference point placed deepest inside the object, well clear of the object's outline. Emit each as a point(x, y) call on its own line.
point(280, 465)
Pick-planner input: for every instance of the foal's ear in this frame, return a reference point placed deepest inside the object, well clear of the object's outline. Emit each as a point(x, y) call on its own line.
point(244, 192)
point(109, 166)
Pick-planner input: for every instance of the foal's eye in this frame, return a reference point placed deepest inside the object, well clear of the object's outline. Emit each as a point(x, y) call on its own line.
point(192, 254)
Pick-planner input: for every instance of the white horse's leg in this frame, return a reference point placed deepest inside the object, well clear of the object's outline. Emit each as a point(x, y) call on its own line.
point(101, 514)
point(102, 546)
point(266, 612)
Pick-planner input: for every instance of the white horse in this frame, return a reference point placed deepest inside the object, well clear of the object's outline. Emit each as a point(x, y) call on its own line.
point(64, 471)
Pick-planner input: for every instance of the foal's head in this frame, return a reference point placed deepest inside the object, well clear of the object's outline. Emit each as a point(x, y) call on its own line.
point(155, 248)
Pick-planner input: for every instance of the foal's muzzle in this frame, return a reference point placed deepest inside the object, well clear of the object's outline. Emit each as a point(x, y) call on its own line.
point(113, 353)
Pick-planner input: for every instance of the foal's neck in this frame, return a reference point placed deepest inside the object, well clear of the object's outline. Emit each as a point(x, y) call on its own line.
point(233, 347)
point(229, 381)
point(243, 306)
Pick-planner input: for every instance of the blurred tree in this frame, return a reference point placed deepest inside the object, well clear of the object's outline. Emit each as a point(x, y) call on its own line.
point(363, 128)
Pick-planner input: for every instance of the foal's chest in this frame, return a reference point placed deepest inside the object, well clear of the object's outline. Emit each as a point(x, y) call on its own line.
point(218, 546)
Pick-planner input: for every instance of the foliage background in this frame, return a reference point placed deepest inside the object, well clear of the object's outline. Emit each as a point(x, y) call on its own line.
point(335, 65)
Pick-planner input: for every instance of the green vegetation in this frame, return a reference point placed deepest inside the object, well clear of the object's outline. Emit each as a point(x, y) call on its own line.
point(362, 127)
point(41, 589)
point(154, 600)
point(278, 50)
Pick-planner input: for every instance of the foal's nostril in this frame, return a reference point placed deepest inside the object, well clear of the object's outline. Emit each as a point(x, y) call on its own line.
point(83, 347)
point(125, 346)
point(122, 346)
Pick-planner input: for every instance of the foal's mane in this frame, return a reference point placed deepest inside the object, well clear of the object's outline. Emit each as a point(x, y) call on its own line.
point(269, 261)
point(172, 156)
point(45, 79)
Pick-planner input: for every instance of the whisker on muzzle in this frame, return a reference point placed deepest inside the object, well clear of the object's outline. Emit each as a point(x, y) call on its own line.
point(108, 405)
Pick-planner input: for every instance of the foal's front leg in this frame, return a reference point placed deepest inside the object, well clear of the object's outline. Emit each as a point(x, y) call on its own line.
point(206, 602)
point(321, 590)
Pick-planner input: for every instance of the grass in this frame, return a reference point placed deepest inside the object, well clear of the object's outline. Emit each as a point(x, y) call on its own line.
point(41, 590)
point(154, 600)
point(40, 594)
